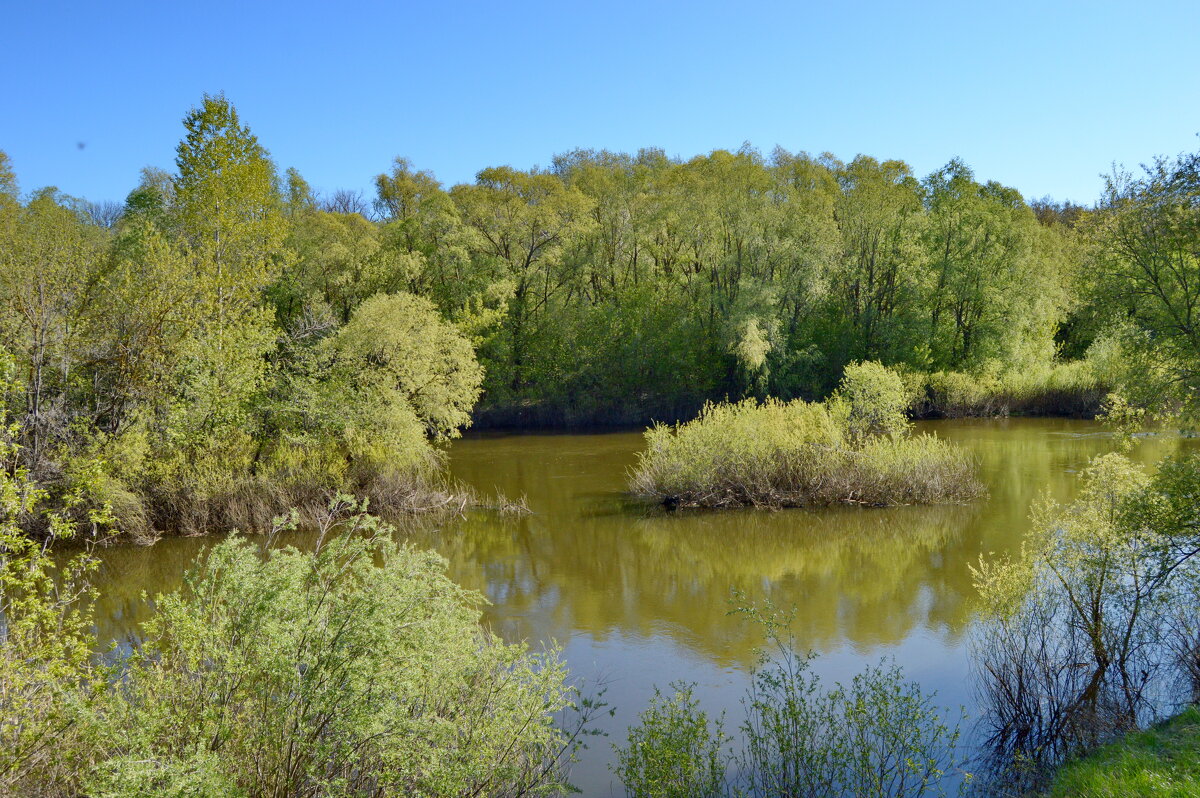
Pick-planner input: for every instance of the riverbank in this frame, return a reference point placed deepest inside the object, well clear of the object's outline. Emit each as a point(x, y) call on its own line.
point(646, 594)
point(1160, 761)
point(1064, 390)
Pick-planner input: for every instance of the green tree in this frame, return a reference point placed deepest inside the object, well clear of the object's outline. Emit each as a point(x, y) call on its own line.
point(876, 277)
point(50, 262)
point(8, 178)
point(1076, 631)
point(524, 221)
point(996, 290)
point(397, 342)
point(1146, 238)
point(227, 211)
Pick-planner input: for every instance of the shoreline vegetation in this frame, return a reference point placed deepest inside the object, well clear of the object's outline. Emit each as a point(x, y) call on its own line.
point(854, 448)
point(351, 669)
point(1071, 389)
point(1160, 762)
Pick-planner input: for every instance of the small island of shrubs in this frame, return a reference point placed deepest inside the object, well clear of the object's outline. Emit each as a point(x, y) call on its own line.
point(854, 448)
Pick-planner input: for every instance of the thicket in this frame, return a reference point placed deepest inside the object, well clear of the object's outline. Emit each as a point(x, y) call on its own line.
point(357, 668)
point(190, 364)
point(855, 447)
point(1077, 389)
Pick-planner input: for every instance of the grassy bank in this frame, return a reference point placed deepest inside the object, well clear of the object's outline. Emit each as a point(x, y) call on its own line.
point(855, 448)
point(1161, 761)
point(1064, 389)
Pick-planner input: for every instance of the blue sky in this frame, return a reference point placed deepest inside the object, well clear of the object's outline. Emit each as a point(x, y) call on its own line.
point(1041, 96)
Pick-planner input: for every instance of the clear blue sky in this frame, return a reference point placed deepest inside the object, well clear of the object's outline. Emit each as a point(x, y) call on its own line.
point(1043, 96)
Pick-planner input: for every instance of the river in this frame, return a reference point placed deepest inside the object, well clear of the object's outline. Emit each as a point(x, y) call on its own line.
point(637, 597)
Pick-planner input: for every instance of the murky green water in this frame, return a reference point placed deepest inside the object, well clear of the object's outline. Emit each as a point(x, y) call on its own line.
point(638, 597)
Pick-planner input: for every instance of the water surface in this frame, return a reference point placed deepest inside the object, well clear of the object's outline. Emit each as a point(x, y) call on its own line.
point(638, 597)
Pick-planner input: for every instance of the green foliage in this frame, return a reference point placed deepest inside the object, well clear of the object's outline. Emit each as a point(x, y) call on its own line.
point(778, 273)
point(218, 353)
point(523, 223)
point(880, 735)
point(50, 260)
point(1075, 388)
point(45, 630)
point(8, 179)
point(1143, 241)
point(228, 210)
point(397, 343)
point(204, 338)
point(798, 453)
point(355, 668)
point(673, 751)
point(876, 401)
point(1094, 617)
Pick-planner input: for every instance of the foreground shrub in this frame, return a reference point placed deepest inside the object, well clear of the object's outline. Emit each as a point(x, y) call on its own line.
point(674, 751)
point(879, 735)
point(356, 669)
point(45, 642)
point(852, 449)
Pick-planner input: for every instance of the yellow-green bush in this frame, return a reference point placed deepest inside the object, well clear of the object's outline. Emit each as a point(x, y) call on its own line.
point(355, 669)
point(790, 454)
point(874, 400)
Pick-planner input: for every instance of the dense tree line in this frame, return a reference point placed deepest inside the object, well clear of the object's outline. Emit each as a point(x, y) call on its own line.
point(228, 342)
point(620, 287)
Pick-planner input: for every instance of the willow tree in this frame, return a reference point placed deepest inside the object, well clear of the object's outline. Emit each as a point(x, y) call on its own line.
point(523, 220)
point(994, 283)
point(875, 279)
point(1147, 244)
point(428, 241)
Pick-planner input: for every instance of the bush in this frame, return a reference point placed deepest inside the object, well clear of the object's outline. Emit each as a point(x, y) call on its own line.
point(358, 668)
point(791, 454)
point(357, 413)
point(876, 400)
point(45, 638)
point(673, 751)
point(1060, 389)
